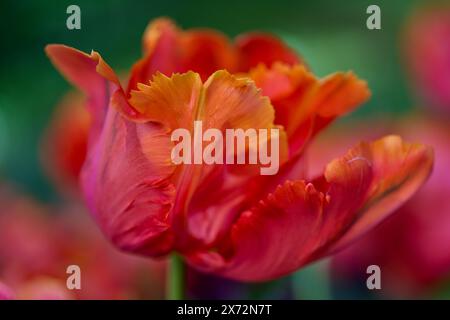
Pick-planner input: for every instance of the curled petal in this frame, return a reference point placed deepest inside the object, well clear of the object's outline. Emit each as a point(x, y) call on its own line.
point(355, 193)
point(305, 104)
point(222, 102)
point(87, 72)
point(132, 208)
point(400, 170)
point(95, 78)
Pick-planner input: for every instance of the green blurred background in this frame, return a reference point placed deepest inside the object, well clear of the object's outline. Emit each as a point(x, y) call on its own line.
point(331, 35)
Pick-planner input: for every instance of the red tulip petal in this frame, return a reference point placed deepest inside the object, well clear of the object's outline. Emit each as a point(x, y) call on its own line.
point(89, 72)
point(206, 51)
point(400, 170)
point(126, 186)
point(287, 87)
point(300, 222)
point(132, 208)
point(339, 93)
point(161, 52)
point(213, 213)
point(261, 48)
point(168, 49)
point(305, 104)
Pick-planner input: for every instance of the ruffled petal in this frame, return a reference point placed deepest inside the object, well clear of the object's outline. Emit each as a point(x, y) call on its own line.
point(305, 104)
point(171, 102)
point(87, 72)
point(399, 169)
point(301, 222)
point(222, 102)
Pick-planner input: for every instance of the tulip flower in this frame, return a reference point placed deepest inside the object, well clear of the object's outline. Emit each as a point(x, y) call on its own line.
point(427, 54)
point(228, 219)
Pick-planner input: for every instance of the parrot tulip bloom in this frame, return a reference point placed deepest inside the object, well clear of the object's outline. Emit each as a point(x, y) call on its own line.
point(228, 219)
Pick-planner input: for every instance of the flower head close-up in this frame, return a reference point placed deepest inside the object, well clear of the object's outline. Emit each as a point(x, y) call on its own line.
point(223, 218)
point(251, 152)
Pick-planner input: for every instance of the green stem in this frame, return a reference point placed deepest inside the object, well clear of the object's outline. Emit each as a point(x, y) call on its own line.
point(175, 278)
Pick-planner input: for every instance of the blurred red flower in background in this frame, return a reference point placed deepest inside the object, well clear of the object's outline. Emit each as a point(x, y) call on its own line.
point(234, 223)
point(37, 246)
point(64, 144)
point(5, 292)
point(427, 53)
